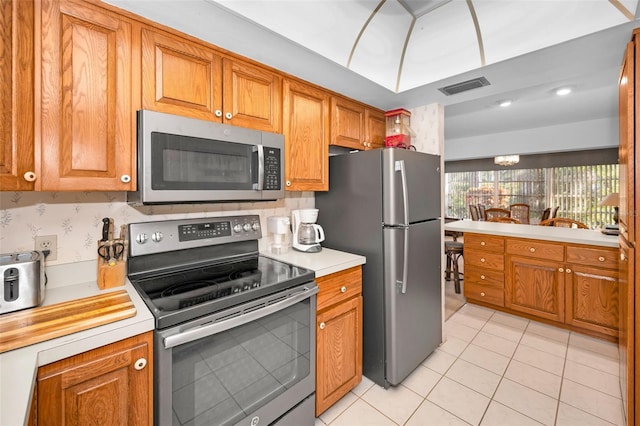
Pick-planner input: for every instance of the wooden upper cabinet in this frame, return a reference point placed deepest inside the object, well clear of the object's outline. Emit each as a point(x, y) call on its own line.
point(376, 129)
point(17, 152)
point(347, 123)
point(306, 132)
point(180, 77)
point(86, 135)
point(626, 112)
point(186, 78)
point(252, 97)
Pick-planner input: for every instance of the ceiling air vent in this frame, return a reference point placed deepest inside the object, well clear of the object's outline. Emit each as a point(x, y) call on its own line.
point(464, 86)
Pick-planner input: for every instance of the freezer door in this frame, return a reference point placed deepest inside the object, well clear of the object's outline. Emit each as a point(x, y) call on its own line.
point(411, 184)
point(413, 319)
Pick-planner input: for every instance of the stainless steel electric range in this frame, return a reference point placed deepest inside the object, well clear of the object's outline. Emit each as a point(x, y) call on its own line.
point(235, 331)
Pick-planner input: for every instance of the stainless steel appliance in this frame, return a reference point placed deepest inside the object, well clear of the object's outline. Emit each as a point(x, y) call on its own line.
point(185, 160)
point(23, 280)
point(235, 331)
point(385, 204)
point(307, 235)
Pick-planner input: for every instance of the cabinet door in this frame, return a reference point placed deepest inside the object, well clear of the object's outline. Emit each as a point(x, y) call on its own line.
point(17, 152)
point(347, 123)
point(627, 99)
point(376, 129)
point(252, 97)
point(180, 77)
point(629, 337)
point(87, 135)
point(111, 385)
point(306, 134)
point(592, 298)
point(535, 287)
point(339, 352)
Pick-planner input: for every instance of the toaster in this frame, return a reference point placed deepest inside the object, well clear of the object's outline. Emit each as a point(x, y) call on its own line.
point(22, 280)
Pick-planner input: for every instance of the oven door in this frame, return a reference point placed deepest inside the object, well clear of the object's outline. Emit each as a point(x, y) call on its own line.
point(247, 365)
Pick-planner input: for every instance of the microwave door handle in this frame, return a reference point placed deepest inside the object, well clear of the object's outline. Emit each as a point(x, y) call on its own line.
point(260, 185)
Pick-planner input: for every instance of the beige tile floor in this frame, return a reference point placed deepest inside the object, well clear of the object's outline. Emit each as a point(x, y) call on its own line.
point(496, 369)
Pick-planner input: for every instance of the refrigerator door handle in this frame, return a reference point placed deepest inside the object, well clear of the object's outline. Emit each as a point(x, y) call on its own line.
point(399, 167)
point(405, 261)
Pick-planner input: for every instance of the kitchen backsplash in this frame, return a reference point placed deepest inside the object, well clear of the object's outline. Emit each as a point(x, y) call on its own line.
point(76, 217)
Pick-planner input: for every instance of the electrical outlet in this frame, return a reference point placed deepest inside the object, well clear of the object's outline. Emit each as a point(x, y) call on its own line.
point(48, 242)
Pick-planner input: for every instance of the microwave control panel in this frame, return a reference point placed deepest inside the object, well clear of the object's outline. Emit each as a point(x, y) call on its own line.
point(272, 168)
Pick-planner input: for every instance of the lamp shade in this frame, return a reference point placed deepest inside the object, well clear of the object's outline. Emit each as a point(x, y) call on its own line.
point(506, 160)
point(612, 200)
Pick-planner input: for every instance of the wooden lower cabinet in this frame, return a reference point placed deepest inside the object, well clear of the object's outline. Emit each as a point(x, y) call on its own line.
point(111, 385)
point(338, 336)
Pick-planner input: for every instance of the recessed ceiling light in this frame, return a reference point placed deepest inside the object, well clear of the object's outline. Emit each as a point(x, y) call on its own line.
point(505, 103)
point(563, 91)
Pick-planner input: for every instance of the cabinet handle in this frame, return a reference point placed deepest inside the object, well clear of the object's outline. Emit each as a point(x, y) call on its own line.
point(568, 271)
point(532, 249)
point(343, 289)
point(482, 243)
point(140, 364)
point(125, 178)
point(322, 326)
point(228, 116)
point(560, 269)
point(288, 183)
point(218, 113)
point(601, 258)
point(623, 257)
point(29, 176)
point(482, 277)
point(482, 260)
point(482, 293)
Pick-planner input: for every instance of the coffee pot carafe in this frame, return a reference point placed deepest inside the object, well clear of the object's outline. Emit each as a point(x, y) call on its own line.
point(307, 235)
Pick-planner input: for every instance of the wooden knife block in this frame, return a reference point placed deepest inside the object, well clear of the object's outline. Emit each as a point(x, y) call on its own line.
point(111, 274)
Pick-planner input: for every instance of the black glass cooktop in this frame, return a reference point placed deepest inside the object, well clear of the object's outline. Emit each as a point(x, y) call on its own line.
point(181, 296)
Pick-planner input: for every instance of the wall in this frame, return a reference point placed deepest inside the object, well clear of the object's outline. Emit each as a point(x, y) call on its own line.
point(76, 218)
point(428, 124)
point(576, 136)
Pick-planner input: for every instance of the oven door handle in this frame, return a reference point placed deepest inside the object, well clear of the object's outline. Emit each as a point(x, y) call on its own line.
point(189, 335)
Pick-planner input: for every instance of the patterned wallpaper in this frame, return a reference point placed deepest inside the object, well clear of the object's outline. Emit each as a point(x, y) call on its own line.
point(428, 124)
point(76, 218)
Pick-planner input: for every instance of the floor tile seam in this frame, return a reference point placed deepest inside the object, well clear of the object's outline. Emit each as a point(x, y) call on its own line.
point(564, 368)
point(586, 412)
point(595, 353)
point(536, 391)
point(512, 326)
point(459, 322)
point(542, 350)
point(592, 365)
point(341, 412)
point(426, 398)
point(511, 408)
point(614, 376)
point(496, 335)
point(529, 364)
point(490, 350)
point(387, 417)
point(545, 336)
point(476, 365)
point(592, 388)
point(457, 356)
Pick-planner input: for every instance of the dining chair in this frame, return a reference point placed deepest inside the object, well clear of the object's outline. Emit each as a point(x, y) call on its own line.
point(546, 214)
point(453, 250)
point(503, 219)
point(554, 213)
point(520, 211)
point(481, 210)
point(473, 209)
point(563, 222)
point(496, 212)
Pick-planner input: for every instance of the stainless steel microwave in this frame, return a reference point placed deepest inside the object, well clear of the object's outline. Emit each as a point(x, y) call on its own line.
point(186, 160)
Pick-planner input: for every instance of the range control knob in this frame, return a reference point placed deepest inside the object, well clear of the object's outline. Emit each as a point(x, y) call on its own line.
point(157, 236)
point(255, 226)
point(141, 238)
point(246, 227)
point(237, 228)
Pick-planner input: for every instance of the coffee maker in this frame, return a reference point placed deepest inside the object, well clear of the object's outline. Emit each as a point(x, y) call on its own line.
point(307, 235)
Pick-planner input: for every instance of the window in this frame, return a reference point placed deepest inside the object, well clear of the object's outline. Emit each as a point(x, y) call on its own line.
point(576, 190)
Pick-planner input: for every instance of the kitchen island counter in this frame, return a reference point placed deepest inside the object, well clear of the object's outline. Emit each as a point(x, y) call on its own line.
point(546, 233)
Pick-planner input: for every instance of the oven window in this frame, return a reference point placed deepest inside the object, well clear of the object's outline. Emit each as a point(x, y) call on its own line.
point(182, 162)
point(223, 378)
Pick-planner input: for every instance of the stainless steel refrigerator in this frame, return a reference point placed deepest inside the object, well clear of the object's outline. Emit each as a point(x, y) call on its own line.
point(385, 204)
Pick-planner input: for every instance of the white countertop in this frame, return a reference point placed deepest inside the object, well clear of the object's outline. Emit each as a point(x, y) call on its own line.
point(325, 262)
point(18, 368)
point(548, 233)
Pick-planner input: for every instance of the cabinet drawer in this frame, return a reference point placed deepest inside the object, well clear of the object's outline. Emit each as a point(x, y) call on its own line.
point(338, 287)
point(591, 256)
point(485, 294)
point(484, 277)
point(482, 259)
point(484, 242)
point(536, 249)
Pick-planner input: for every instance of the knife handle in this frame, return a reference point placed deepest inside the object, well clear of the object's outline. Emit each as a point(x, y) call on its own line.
point(106, 223)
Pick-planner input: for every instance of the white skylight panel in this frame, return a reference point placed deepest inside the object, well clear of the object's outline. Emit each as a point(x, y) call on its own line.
point(377, 54)
point(443, 43)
